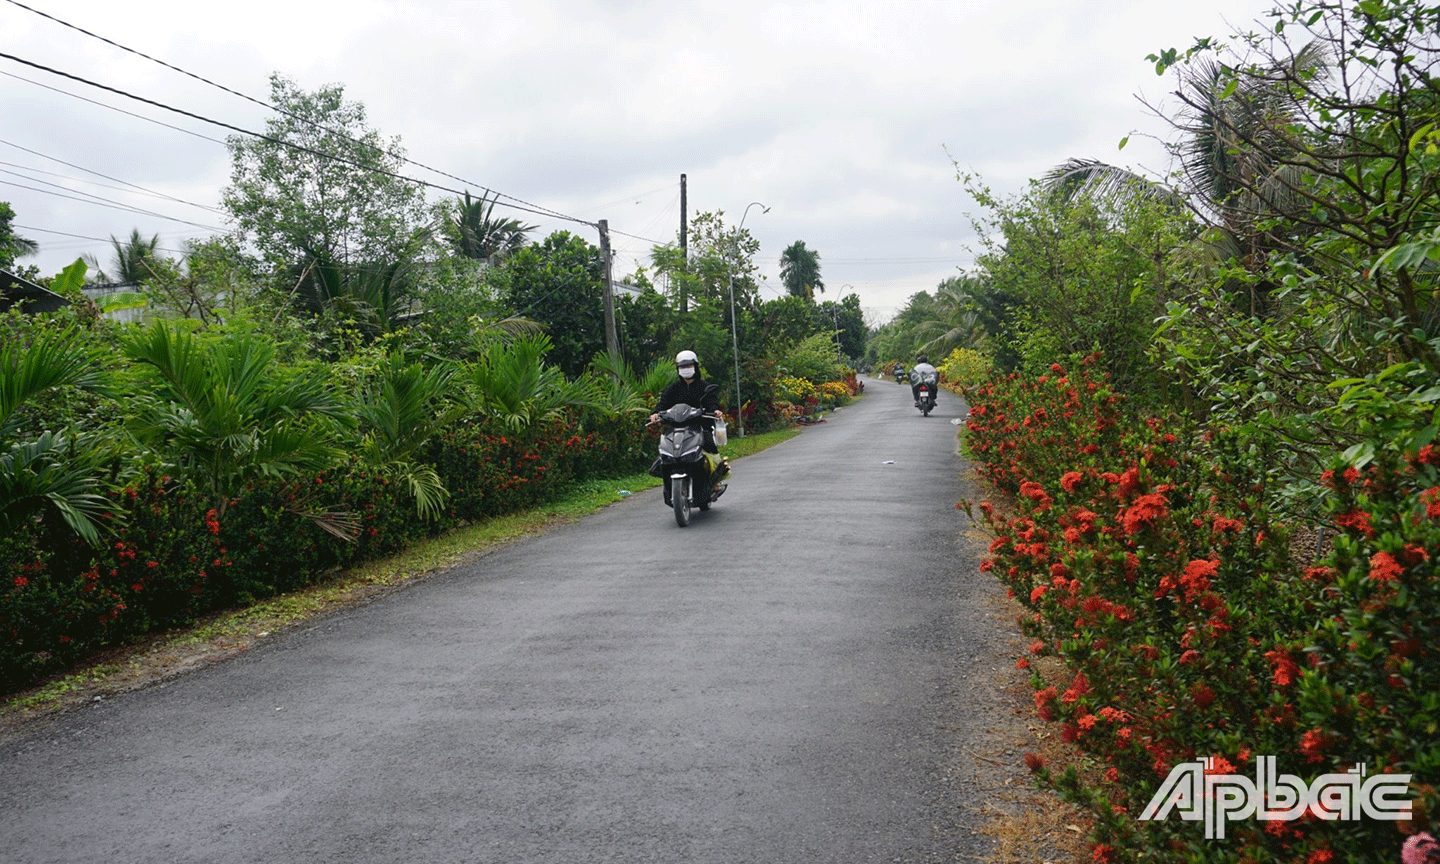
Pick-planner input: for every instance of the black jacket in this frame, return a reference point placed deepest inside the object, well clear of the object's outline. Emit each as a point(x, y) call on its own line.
point(690, 392)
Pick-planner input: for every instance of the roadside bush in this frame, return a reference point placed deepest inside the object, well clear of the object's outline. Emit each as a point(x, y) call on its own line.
point(965, 367)
point(1150, 561)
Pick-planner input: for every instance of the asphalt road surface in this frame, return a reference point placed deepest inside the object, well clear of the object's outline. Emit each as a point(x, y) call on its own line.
point(790, 679)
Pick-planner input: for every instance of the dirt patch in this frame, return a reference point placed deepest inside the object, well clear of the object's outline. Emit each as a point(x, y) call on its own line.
point(1027, 825)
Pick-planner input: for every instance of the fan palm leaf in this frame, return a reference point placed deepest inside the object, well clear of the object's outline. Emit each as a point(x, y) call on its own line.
point(52, 474)
point(398, 413)
point(221, 413)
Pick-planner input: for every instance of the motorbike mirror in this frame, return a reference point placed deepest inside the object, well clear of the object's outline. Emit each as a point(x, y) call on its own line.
point(711, 389)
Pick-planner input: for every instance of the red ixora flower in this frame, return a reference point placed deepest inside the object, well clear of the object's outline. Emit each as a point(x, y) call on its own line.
point(1286, 672)
point(1313, 744)
point(1071, 480)
point(1431, 499)
point(1144, 512)
point(21, 581)
point(1384, 567)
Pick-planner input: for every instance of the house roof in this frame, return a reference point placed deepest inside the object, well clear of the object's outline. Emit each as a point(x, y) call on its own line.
point(31, 298)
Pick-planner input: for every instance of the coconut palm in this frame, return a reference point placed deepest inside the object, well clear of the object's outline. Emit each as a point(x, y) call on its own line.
point(476, 233)
point(53, 473)
point(954, 320)
point(1238, 163)
point(376, 296)
point(221, 413)
point(800, 271)
point(133, 261)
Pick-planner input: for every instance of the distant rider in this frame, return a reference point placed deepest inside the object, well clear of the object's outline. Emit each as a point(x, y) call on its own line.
point(920, 373)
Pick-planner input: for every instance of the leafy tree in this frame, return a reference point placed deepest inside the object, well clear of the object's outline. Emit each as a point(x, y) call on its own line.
point(800, 271)
point(647, 326)
point(785, 321)
point(323, 181)
point(847, 321)
point(559, 283)
point(473, 231)
point(12, 246)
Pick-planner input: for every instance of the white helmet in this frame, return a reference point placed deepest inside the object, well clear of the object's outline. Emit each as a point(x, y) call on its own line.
point(687, 358)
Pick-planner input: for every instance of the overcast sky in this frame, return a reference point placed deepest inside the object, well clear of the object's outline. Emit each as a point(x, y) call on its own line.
point(843, 117)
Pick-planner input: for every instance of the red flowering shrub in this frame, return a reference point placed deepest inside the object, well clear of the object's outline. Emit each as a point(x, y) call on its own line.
point(62, 598)
point(173, 557)
point(1149, 561)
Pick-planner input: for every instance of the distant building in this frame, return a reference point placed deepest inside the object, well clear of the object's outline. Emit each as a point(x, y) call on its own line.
point(16, 291)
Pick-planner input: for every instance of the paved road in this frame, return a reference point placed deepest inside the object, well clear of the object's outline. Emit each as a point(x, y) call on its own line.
point(783, 681)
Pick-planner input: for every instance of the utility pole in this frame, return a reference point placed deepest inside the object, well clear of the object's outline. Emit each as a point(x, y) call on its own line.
point(684, 245)
point(612, 340)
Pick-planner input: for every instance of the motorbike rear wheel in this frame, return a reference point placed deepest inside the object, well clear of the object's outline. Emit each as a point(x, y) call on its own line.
point(680, 497)
point(925, 408)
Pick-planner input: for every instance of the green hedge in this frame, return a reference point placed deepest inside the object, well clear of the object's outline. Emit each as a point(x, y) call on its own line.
point(170, 557)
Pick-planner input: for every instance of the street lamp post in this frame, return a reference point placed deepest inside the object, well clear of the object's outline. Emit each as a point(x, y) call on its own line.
point(734, 331)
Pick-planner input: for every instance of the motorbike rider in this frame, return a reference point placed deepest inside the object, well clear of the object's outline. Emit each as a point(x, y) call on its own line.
point(920, 372)
point(689, 388)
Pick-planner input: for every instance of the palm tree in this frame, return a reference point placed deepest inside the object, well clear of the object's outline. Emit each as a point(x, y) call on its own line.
point(513, 384)
point(800, 271)
point(1238, 165)
point(475, 233)
point(12, 246)
point(954, 320)
point(133, 261)
point(398, 413)
point(220, 412)
point(377, 296)
point(54, 473)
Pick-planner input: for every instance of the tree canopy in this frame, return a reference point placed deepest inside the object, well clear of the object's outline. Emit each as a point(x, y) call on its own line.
point(321, 180)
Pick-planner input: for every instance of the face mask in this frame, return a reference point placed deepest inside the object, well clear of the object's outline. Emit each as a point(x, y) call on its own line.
point(687, 372)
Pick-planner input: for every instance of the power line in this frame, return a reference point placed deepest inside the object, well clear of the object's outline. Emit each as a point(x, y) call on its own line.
point(536, 207)
point(300, 147)
point(112, 107)
point(104, 202)
point(140, 189)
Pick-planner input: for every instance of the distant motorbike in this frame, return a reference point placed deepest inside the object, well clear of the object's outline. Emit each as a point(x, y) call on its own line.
point(901, 376)
point(692, 476)
point(925, 393)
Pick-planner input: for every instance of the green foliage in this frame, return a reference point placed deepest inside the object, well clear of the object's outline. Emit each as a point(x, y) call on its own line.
point(559, 283)
point(813, 359)
point(321, 181)
point(12, 246)
point(221, 412)
point(965, 367)
point(1068, 278)
point(513, 385)
point(473, 232)
point(52, 474)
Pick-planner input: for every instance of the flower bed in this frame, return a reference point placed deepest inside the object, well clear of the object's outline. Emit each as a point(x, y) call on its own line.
point(1149, 560)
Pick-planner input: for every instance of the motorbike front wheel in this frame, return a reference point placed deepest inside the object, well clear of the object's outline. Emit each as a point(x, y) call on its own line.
point(680, 497)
